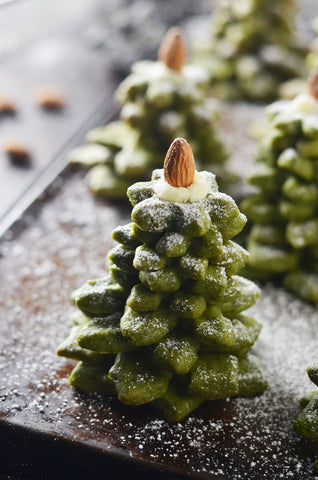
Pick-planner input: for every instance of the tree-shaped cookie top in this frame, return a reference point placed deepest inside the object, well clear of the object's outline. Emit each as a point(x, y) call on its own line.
point(169, 75)
point(190, 208)
point(304, 107)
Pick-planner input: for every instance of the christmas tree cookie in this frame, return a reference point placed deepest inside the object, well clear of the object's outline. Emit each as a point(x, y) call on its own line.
point(283, 241)
point(160, 100)
point(307, 422)
point(166, 327)
point(252, 49)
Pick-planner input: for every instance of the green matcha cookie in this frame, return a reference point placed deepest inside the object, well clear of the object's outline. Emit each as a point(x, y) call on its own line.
point(307, 422)
point(166, 326)
point(160, 100)
point(252, 49)
point(283, 214)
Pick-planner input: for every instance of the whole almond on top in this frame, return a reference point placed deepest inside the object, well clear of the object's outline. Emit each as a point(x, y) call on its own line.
point(179, 167)
point(313, 83)
point(172, 51)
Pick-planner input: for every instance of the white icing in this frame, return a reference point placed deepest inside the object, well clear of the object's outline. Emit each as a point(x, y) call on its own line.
point(193, 193)
point(153, 71)
point(302, 106)
point(305, 103)
point(196, 73)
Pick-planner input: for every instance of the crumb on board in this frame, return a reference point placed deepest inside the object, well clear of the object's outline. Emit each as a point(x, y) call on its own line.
point(7, 106)
point(49, 98)
point(17, 152)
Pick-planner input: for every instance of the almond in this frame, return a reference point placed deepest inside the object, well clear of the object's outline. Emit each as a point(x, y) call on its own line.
point(18, 153)
point(313, 83)
point(49, 98)
point(7, 106)
point(179, 165)
point(172, 51)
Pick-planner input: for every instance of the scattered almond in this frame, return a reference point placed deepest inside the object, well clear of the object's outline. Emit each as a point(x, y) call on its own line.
point(313, 83)
point(179, 167)
point(7, 107)
point(172, 51)
point(49, 98)
point(18, 153)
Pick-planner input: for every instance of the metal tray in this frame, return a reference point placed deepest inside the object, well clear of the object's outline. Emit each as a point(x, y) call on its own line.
point(60, 239)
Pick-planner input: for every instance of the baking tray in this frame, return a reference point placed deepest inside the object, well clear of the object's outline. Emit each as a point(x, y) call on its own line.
point(59, 239)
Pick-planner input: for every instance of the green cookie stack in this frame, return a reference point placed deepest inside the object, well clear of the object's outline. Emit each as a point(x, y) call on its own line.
point(283, 241)
point(160, 101)
point(166, 327)
point(252, 49)
point(307, 422)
